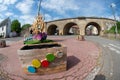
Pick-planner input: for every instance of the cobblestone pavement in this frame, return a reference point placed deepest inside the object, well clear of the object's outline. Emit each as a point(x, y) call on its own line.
point(81, 60)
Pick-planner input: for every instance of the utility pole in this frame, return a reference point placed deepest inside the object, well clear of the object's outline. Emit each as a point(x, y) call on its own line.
point(113, 11)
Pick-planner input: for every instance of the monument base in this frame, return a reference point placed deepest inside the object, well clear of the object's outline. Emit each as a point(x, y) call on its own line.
point(50, 57)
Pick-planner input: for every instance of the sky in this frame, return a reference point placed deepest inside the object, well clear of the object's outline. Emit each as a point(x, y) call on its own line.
point(26, 10)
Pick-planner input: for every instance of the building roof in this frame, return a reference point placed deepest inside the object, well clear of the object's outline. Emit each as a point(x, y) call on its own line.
point(4, 22)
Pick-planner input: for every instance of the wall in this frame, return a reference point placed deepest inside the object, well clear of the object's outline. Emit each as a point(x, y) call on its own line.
point(6, 25)
point(3, 31)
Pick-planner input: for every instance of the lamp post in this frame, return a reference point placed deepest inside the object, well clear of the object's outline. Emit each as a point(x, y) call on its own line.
point(113, 11)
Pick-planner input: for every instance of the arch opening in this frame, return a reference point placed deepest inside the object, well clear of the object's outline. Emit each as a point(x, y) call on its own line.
point(52, 30)
point(71, 29)
point(92, 29)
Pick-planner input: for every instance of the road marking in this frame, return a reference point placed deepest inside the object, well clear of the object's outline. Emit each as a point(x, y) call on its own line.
point(115, 46)
point(118, 44)
point(113, 49)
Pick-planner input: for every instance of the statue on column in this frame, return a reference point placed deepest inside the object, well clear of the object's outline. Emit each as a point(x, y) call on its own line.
point(37, 30)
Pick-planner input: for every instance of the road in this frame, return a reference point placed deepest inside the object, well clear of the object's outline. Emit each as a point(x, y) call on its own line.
point(110, 70)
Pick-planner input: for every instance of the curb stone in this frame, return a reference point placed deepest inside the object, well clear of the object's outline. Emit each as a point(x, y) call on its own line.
point(99, 64)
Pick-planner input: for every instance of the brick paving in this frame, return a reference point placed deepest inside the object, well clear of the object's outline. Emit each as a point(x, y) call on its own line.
point(81, 59)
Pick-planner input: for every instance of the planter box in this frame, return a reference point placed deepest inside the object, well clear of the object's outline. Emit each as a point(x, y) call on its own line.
point(30, 52)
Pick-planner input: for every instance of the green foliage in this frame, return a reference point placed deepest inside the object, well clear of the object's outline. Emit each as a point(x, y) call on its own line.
point(118, 26)
point(37, 41)
point(112, 30)
point(16, 26)
point(32, 42)
point(26, 26)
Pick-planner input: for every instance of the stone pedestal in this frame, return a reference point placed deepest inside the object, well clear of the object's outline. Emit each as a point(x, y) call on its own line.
point(2, 43)
point(30, 52)
point(80, 37)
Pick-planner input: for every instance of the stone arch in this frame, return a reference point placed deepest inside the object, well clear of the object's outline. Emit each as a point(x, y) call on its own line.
point(52, 30)
point(68, 26)
point(95, 25)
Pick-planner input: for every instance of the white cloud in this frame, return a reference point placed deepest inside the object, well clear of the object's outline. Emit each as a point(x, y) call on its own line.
point(7, 2)
point(55, 18)
point(13, 1)
point(3, 7)
point(25, 6)
point(60, 6)
point(1, 19)
point(73, 8)
point(0, 15)
point(1, 1)
point(24, 19)
point(113, 5)
point(9, 14)
point(48, 17)
point(117, 17)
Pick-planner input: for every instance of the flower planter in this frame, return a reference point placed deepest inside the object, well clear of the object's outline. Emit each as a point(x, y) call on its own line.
point(45, 58)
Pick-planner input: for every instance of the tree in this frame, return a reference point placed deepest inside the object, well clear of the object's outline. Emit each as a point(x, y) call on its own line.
point(118, 26)
point(26, 26)
point(16, 26)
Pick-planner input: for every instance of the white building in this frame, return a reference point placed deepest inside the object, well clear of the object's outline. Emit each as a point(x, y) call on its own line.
point(5, 27)
point(94, 31)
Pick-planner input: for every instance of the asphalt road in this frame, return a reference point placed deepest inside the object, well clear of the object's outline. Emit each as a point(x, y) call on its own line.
point(110, 70)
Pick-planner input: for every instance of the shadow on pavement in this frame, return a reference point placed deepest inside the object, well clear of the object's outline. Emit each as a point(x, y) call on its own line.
point(100, 77)
point(72, 61)
point(58, 40)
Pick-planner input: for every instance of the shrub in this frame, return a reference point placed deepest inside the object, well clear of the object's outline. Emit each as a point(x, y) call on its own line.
point(37, 41)
point(112, 30)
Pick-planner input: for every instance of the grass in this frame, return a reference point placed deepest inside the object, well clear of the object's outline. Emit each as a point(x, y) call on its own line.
point(37, 41)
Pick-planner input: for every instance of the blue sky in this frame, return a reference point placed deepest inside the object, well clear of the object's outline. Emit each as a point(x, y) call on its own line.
point(26, 10)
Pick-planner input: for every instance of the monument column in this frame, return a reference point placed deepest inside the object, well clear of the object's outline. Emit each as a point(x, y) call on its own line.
point(82, 28)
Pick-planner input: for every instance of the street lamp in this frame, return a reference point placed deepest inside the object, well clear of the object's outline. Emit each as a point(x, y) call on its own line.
point(113, 11)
